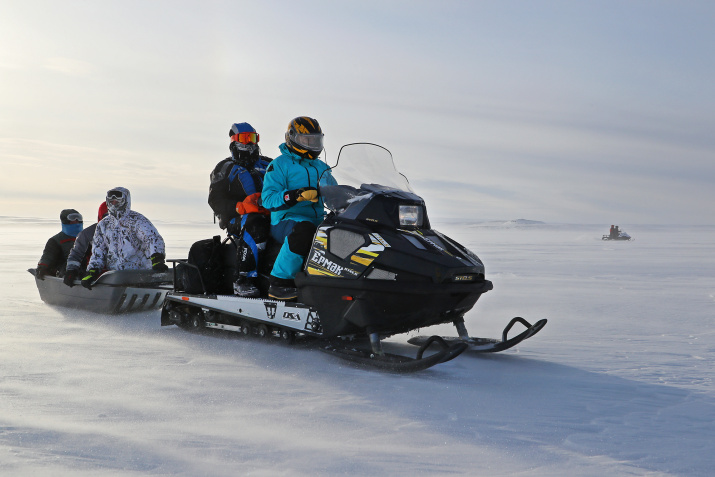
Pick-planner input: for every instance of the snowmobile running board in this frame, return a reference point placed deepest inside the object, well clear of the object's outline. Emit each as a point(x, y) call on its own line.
point(486, 345)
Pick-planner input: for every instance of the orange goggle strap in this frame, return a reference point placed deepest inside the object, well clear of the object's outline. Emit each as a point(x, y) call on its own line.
point(246, 137)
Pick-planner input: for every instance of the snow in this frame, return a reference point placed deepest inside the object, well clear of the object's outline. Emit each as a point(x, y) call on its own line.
point(620, 381)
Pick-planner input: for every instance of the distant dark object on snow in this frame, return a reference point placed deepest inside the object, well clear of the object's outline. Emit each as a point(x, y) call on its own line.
point(615, 233)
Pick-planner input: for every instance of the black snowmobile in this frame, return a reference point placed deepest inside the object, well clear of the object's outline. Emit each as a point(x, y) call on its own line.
point(376, 269)
point(618, 235)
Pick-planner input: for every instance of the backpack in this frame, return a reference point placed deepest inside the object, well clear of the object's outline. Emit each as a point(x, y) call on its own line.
point(210, 268)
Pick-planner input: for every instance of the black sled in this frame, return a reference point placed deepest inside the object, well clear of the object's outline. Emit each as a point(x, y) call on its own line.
point(376, 269)
point(114, 292)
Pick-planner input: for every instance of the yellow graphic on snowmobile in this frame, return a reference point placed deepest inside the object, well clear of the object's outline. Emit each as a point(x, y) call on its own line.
point(321, 262)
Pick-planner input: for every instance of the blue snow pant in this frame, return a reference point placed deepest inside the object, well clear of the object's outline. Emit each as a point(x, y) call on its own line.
point(297, 238)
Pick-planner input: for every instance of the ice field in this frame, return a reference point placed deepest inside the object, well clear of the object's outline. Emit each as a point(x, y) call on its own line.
point(620, 382)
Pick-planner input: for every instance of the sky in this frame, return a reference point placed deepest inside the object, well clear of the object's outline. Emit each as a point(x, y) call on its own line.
point(596, 112)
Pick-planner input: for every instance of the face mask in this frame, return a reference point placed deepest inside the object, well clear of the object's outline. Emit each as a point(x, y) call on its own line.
point(72, 229)
point(244, 154)
point(117, 211)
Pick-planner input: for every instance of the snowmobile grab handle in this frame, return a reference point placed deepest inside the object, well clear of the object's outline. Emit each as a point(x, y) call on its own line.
point(517, 319)
point(449, 351)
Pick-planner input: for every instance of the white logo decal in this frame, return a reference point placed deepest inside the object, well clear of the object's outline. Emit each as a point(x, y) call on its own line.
point(287, 315)
point(319, 259)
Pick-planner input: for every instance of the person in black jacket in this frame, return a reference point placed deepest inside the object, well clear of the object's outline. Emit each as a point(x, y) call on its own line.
point(54, 256)
point(234, 196)
point(82, 250)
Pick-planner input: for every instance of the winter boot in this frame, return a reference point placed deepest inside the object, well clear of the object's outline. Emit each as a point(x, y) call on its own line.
point(246, 287)
point(282, 289)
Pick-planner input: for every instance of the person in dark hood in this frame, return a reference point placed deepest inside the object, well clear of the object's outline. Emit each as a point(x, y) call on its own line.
point(82, 249)
point(124, 240)
point(234, 196)
point(54, 256)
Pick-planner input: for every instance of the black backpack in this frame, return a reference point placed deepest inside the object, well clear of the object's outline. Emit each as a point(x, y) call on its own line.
point(210, 268)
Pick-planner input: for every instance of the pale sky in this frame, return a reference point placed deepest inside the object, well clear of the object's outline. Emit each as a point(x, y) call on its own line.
point(560, 111)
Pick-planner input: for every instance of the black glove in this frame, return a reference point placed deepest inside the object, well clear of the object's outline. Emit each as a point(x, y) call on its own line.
point(157, 262)
point(91, 276)
point(40, 272)
point(70, 277)
point(292, 197)
point(234, 228)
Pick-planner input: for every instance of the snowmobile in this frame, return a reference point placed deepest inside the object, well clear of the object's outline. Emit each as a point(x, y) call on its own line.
point(621, 236)
point(376, 269)
point(115, 291)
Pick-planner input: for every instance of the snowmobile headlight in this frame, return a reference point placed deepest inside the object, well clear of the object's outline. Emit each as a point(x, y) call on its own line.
point(411, 216)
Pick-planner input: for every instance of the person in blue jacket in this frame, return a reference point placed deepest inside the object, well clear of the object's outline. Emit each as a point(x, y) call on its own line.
point(234, 196)
point(290, 193)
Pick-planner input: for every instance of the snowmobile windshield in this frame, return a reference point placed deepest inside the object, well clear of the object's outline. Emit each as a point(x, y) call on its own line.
point(362, 170)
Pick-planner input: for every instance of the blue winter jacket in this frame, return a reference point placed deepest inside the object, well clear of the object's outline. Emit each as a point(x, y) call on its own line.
point(289, 172)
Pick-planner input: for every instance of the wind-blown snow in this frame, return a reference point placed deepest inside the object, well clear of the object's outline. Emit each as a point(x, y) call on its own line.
point(620, 382)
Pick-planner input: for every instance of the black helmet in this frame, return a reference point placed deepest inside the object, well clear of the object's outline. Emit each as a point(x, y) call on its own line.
point(244, 144)
point(304, 137)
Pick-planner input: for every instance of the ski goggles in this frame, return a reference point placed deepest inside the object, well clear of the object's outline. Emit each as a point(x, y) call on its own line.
point(115, 194)
point(246, 137)
point(312, 142)
point(74, 216)
point(115, 198)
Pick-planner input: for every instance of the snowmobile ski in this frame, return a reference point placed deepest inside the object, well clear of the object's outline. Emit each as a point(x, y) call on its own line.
point(398, 363)
point(489, 345)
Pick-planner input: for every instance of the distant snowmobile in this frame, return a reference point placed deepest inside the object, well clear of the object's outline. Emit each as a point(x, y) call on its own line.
point(376, 269)
point(618, 235)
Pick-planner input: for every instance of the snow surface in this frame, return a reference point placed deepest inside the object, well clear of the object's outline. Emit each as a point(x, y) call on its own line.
point(620, 382)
